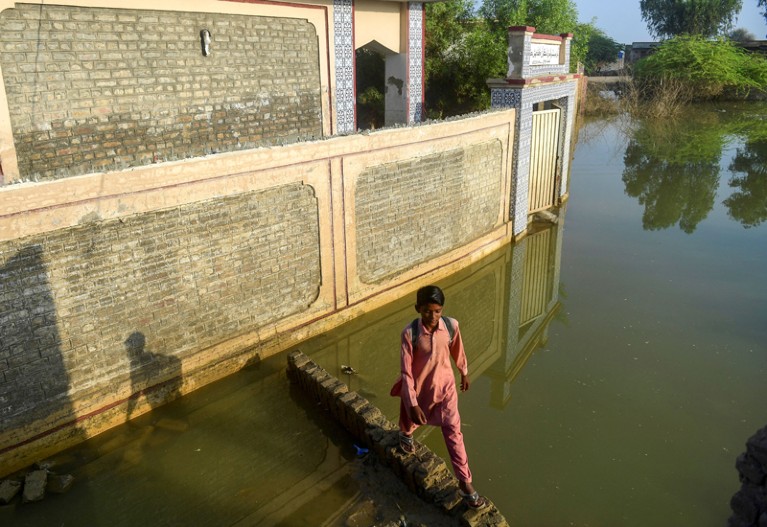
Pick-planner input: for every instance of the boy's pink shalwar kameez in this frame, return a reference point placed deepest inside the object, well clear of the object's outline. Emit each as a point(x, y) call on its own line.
point(428, 381)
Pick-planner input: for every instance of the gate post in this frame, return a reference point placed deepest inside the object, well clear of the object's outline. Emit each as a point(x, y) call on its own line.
point(538, 77)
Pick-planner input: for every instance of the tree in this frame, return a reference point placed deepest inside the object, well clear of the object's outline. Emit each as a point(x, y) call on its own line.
point(461, 54)
point(707, 67)
point(601, 50)
point(763, 4)
point(546, 16)
point(707, 18)
point(741, 35)
point(370, 89)
point(463, 51)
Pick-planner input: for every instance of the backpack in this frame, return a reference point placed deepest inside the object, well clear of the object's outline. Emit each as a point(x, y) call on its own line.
point(414, 331)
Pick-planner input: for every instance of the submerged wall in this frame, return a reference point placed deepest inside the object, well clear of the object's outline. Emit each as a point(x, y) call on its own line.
point(423, 472)
point(122, 290)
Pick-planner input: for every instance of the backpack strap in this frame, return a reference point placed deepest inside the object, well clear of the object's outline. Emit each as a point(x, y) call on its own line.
point(414, 330)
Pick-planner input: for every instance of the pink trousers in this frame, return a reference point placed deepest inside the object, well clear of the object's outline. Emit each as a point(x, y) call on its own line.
point(444, 415)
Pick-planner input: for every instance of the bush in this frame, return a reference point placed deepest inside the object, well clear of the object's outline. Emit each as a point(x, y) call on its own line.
point(706, 67)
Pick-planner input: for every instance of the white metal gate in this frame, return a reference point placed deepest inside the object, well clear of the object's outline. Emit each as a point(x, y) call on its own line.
point(544, 159)
point(539, 276)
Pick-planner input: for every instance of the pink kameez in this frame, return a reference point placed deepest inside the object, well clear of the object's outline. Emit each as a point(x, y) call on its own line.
point(429, 382)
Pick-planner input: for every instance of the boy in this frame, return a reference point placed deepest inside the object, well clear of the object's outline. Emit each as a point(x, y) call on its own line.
point(427, 386)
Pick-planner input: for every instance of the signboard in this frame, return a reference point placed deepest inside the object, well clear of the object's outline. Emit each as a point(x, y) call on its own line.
point(544, 54)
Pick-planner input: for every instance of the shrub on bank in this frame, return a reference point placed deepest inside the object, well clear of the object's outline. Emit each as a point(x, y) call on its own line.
point(707, 68)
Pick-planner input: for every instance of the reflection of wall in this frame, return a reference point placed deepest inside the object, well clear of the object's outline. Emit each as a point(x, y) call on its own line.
point(489, 300)
point(213, 261)
point(533, 299)
point(371, 343)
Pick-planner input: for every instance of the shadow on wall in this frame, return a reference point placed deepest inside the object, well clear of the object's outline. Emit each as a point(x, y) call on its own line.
point(34, 381)
point(147, 367)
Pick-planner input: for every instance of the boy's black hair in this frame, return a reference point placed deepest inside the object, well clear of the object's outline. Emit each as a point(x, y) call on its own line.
point(430, 294)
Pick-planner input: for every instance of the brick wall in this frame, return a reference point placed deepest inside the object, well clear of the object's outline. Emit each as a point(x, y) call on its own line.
point(126, 289)
point(412, 210)
point(88, 307)
point(93, 89)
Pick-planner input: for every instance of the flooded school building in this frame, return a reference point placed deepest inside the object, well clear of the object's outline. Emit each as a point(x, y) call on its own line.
point(184, 191)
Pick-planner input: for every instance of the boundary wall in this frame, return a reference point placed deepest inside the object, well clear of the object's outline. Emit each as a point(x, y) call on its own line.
point(123, 290)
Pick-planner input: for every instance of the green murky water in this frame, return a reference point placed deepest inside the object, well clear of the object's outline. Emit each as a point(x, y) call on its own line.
point(620, 360)
point(618, 363)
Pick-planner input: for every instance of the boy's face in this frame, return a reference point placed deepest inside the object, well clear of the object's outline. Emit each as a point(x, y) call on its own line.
point(430, 315)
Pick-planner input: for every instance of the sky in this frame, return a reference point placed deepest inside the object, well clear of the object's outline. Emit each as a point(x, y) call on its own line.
point(622, 21)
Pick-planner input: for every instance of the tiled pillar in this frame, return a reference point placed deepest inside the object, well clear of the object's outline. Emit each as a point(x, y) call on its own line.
point(344, 96)
point(415, 59)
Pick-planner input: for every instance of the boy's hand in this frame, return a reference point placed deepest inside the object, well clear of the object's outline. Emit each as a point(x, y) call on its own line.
point(465, 383)
point(417, 415)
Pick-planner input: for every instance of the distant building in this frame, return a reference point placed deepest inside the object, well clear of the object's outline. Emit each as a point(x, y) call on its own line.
point(640, 50)
point(754, 46)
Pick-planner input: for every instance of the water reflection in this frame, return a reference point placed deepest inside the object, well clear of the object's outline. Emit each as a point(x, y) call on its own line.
point(504, 303)
point(673, 170)
point(748, 204)
point(673, 167)
point(248, 450)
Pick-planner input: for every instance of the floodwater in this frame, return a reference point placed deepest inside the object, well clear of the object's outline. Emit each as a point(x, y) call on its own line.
point(618, 362)
point(619, 359)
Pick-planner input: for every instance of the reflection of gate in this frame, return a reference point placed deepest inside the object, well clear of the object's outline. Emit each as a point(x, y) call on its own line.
point(544, 153)
point(538, 284)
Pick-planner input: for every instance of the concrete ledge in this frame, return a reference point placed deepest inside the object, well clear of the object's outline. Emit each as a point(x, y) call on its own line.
point(425, 473)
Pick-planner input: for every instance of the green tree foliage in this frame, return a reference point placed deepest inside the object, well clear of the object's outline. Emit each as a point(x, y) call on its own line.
point(708, 67)
point(552, 17)
point(748, 204)
point(672, 167)
point(370, 89)
point(546, 16)
point(600, 50)
point(741, 35)
point(464, 50)
point(461, 54)
point(763, 5)
point(708, 18)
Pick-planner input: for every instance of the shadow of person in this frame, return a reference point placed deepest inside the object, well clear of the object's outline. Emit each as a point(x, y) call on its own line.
point(34, 378)
point(155, 378)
